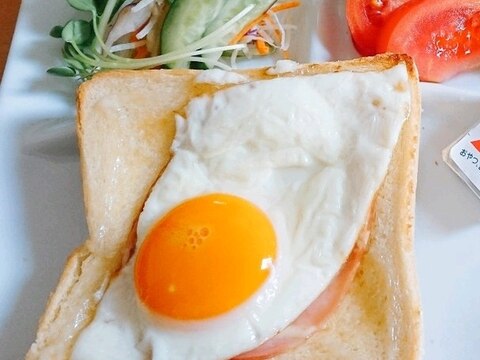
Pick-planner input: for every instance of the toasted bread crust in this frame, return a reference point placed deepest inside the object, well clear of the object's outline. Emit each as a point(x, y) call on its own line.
point(132, 151)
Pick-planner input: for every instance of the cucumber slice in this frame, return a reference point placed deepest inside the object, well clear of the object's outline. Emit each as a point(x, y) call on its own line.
point(189, 20)
point(186, 22)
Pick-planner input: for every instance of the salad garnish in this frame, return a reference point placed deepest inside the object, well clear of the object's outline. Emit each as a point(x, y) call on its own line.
point(144, 34)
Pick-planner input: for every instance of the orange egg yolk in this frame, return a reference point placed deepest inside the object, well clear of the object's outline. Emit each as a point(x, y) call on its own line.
point(205, 257)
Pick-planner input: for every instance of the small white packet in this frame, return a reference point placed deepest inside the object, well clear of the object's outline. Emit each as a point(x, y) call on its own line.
point(463, 156)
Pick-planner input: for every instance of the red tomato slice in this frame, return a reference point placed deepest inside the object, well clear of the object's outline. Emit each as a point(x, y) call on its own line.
point(443, 36)
point(365, 19)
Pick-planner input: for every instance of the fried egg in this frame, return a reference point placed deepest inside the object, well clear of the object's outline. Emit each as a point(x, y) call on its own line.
point(268, 188)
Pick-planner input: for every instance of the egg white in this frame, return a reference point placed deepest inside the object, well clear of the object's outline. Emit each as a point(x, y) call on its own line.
point(310, 152)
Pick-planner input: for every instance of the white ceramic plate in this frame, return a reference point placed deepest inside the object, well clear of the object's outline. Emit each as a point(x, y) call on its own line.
point(41, 212)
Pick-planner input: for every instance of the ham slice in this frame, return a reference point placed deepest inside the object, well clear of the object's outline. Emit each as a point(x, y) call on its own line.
point(309, 320)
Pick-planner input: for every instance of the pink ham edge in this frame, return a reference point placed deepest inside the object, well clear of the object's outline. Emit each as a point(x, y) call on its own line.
point(309, 320)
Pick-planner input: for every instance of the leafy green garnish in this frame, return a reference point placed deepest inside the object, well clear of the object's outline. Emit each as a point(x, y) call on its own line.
point(56, 32)
point(83, 5)
point(78, 32)
point(100, 5)
point(62, 71)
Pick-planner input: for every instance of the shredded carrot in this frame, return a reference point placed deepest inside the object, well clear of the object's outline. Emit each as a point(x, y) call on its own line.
point(262, 47)
point(139, 52)
point(265, 16)
point(246, 28)
point(277, 34)
point(285, 5)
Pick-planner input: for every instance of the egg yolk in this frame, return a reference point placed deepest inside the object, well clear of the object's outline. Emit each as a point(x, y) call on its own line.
point(205, 257)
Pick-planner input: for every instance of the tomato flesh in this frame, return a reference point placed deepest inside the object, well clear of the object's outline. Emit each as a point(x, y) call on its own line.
point(443, 36)
point(365, 18)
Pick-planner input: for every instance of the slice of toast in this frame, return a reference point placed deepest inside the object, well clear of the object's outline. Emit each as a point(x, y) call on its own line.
point(125, 129)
